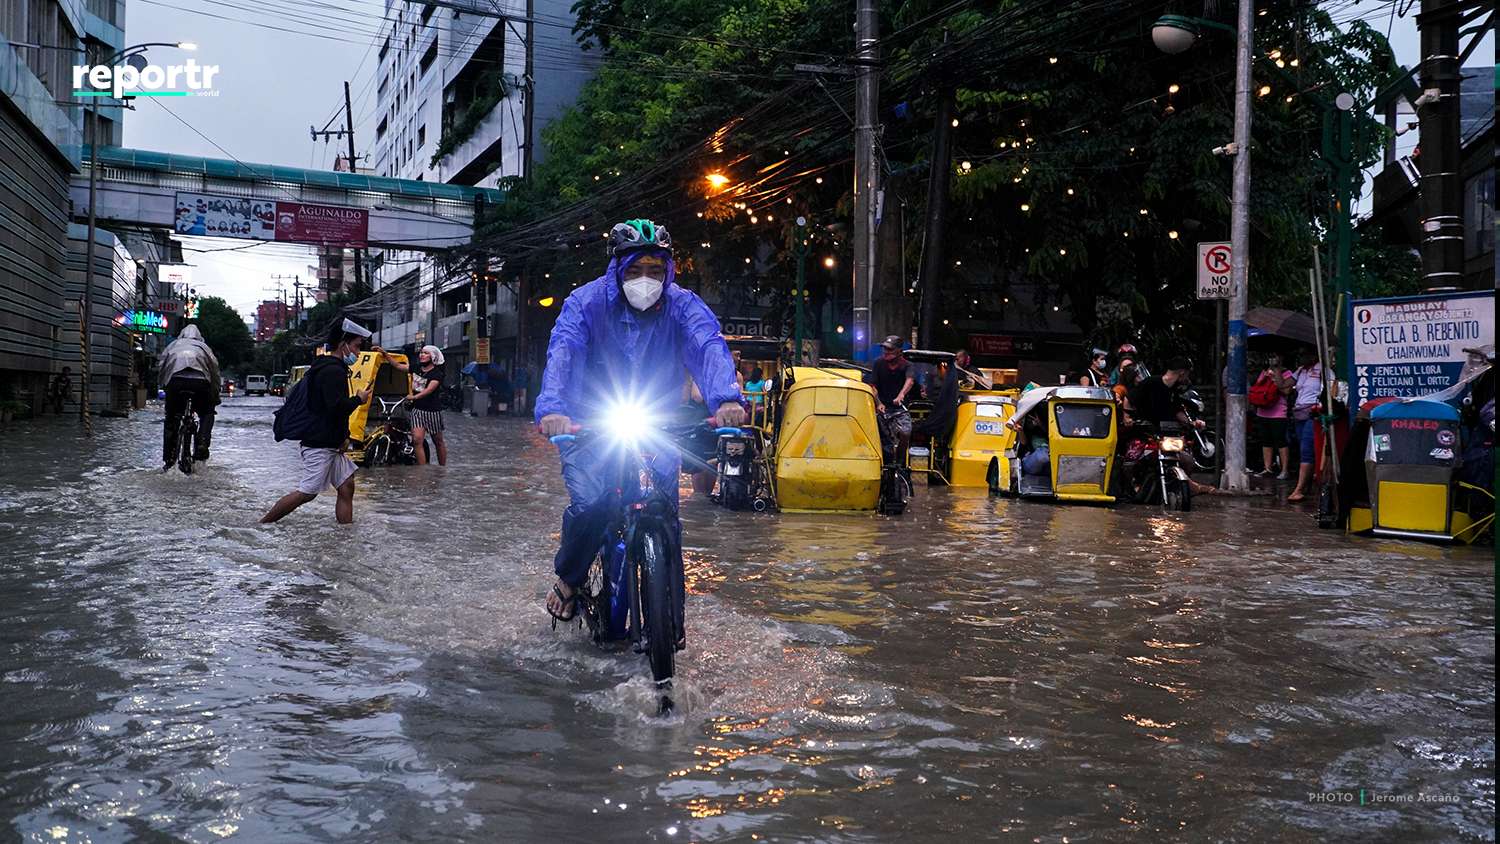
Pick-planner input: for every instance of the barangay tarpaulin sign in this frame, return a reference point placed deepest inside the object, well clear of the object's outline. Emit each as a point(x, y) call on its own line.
point(1414, 345)
point(258, 219)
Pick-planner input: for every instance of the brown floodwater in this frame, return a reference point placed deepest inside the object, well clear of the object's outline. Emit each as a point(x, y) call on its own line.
point(997, 669)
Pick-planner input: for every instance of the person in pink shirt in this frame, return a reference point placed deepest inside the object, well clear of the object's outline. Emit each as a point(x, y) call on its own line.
point(1271, 420)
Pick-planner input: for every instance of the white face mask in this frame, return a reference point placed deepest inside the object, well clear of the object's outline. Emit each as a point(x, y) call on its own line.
point(643, 292)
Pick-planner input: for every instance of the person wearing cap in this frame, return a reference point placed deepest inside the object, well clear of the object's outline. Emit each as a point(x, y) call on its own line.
point(892, 379)
point(324, 464)
point(426, 401)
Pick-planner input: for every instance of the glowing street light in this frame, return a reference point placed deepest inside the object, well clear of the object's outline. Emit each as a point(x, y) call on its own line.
point(717, 181)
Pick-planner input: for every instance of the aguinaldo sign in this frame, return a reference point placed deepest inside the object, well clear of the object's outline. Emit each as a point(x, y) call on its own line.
point(257, 219)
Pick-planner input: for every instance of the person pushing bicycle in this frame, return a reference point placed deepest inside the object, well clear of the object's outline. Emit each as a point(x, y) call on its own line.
point(624, 338)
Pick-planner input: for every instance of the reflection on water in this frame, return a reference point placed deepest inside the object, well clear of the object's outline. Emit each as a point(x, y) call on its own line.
point(993, 666)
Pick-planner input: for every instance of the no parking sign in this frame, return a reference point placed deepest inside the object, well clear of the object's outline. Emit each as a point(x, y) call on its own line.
point(1214, 263)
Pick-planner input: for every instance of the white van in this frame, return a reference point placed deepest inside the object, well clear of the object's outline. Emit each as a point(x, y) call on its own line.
point(256, 385)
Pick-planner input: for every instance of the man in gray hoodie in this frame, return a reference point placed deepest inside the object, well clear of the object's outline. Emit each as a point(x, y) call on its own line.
point(189, 369)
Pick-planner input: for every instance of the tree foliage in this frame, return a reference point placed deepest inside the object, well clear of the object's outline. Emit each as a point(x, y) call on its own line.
point(1080, 151)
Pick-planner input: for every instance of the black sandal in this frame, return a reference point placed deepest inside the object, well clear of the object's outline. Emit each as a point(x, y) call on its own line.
point(569, 606)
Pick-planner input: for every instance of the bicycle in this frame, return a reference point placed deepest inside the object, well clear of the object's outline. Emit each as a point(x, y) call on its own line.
point(392, 443)
point(629, 592)
point(895, 478)
point(187, 437)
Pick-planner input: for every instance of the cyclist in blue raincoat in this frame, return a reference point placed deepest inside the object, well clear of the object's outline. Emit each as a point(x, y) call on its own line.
point(622, 340)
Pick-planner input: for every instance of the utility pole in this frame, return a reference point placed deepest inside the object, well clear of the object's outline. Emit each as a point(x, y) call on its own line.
point(482, 353)
point(1437, 109)
point(866, 106)
point(799, 293)
point(347, 133)
point(299, 287)
point(934, 262)
point(280, 291)
point(1239, 245)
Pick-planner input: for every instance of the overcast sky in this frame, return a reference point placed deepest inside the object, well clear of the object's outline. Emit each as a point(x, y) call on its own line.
point(272, 86)
point(282, 65)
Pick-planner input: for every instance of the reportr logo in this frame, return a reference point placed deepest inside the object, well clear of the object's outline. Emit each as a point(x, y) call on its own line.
point(138, 78)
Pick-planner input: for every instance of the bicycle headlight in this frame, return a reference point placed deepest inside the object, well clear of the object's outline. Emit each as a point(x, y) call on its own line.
point(1172, 443)
point(628, 422)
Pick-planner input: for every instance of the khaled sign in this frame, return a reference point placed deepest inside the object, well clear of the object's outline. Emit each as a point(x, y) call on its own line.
point(258, 219)
point(1414, 345)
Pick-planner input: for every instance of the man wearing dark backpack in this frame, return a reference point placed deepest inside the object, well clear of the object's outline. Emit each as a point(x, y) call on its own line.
point(323, 427)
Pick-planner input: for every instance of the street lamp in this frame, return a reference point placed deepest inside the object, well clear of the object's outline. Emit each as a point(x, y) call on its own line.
point(91, 129)
point(1174, 34)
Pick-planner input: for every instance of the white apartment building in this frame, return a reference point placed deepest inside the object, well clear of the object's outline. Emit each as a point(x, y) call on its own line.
point(463, 91)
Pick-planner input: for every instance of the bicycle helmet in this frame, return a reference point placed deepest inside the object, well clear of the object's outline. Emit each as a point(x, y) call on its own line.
point(638, 234)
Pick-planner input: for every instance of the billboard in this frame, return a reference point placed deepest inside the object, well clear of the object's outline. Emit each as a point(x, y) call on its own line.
point(207, 215)
point(1414, 345)
point(224, 216)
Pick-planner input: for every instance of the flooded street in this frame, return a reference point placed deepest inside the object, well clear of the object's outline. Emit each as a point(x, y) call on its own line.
point(1008, 670)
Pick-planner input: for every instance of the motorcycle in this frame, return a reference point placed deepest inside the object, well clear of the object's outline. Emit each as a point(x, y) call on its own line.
point(741, 481)
point(1203, 445)
point(452, 397)
point(1158, 461)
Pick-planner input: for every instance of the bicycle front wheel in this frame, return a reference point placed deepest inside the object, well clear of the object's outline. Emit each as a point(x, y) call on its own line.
point(653, 563)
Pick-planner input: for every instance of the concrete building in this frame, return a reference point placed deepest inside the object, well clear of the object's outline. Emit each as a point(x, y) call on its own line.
point(462, 97)
point(271, 316)
point(42, 131)
point(1395, 216)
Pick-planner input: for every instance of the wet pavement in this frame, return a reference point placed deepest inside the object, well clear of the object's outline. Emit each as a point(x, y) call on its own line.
point(1002, 670)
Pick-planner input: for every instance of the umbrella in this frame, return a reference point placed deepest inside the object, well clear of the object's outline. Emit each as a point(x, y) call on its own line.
point(1289, 324)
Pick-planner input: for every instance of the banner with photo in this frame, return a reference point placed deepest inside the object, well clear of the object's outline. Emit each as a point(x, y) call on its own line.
point(208, 215)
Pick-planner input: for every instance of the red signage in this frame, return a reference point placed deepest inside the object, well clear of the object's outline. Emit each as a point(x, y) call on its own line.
point(331, 224)
point(1001, 344)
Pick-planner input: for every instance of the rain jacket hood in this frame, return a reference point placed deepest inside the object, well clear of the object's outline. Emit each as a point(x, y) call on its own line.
point(603, 351)
point(187, 353)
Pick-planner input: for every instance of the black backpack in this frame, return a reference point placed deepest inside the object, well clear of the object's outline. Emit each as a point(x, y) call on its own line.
point(295, 418)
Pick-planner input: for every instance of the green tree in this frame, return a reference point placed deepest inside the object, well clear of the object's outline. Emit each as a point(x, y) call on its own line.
point(1090, 172)
point(225, 332)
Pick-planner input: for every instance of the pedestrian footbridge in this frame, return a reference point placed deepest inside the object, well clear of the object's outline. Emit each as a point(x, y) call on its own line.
point(141, 188)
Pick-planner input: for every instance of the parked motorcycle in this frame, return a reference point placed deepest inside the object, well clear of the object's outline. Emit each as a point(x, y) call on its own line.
point(452, 396)
point(741, 482)
point(1203, 445)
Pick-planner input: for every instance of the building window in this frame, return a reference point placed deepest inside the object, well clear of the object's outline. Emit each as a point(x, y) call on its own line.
point(380, 129)
point(427, 10)
point(380, 89)
point(385, 48)
point(429, 57)
point(421, 135)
